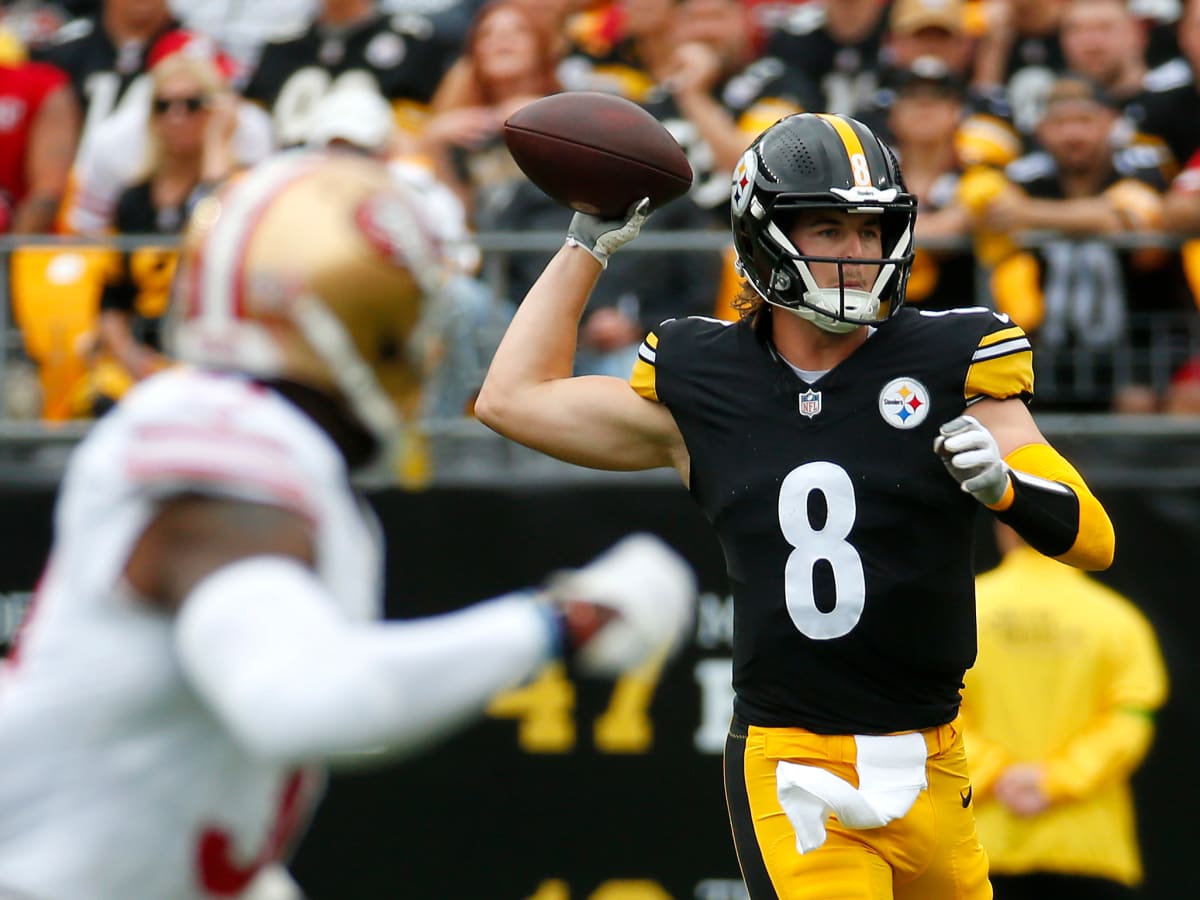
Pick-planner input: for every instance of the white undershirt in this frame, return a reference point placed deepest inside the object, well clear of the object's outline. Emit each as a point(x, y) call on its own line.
point(809, 376)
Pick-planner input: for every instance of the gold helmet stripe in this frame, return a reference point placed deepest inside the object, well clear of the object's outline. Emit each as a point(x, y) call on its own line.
point(220, 287)
point(860, 169)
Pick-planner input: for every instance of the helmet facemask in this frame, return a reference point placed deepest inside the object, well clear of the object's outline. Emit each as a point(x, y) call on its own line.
point(837, 308)
point(807, 163)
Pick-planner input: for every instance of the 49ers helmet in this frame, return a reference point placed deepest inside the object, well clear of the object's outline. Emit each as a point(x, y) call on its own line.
point(316, 269)
point(815, 161)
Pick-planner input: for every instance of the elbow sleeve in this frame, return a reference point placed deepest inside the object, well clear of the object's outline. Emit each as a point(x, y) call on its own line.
point(1050, 505)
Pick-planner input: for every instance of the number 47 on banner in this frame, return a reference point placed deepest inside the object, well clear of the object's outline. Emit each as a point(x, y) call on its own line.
point(543, 710)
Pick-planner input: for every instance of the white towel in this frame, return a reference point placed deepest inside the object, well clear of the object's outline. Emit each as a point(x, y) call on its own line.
point(891, 774)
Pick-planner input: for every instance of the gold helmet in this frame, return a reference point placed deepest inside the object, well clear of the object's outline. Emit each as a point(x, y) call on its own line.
point(314, 269)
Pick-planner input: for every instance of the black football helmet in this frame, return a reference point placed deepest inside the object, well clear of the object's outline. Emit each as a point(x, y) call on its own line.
point(817, 161)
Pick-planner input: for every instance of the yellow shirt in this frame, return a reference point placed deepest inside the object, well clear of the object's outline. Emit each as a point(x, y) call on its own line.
point(1068, 675)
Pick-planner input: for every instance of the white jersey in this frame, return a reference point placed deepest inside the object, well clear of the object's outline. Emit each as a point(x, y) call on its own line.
point(103, 744)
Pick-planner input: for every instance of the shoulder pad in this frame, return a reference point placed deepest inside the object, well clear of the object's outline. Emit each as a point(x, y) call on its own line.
point(1030, 168)
point(1175, 73)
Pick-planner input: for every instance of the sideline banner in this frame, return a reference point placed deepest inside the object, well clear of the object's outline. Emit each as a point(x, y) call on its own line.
point(586, 790)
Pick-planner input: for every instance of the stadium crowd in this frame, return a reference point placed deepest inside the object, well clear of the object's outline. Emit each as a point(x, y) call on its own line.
point(1054, 146)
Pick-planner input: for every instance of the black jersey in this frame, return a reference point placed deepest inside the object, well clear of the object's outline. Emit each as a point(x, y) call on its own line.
point(397, 56)
point(1034, 64)
point(1168, 108)
point(101, 73)
point(848, 546)
point(1109, 316)
point(846, 74)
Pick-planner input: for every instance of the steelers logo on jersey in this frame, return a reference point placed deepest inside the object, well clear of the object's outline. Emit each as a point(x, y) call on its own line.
point(904, 403)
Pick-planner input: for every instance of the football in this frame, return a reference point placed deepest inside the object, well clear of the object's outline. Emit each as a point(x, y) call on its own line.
point(597, 153)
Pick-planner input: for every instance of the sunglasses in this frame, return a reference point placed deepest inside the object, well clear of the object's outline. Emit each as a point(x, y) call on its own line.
point(191, 105)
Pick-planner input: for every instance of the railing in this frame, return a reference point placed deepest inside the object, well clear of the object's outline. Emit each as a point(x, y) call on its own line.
point(466, 452)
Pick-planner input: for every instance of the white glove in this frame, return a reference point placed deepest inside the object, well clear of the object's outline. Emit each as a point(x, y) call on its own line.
point(971, 455)
point(633, 603)
point(603, 237)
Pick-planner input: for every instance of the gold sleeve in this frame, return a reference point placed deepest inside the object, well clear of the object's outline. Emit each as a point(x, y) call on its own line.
point(1001, 366)
point(643, 377)
point(1094, 539)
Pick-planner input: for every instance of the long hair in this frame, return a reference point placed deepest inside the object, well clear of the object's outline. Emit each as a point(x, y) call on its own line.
point(204, 71)
point(748, 303)
point(465, 85)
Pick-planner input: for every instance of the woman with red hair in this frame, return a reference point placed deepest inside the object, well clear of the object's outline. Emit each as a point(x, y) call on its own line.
point(509, 59)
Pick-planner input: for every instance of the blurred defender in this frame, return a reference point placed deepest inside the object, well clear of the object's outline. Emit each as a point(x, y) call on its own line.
point(199, 642)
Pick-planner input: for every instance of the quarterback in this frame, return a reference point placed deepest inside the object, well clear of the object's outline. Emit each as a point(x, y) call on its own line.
point(201, 642)
point(841, 445)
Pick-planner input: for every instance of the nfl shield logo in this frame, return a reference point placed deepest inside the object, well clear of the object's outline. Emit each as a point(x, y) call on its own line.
point(810, 403)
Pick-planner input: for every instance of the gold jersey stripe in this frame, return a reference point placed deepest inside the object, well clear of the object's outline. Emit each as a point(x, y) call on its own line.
point(1002, 335)
point(1001, 376)
point(642, 379)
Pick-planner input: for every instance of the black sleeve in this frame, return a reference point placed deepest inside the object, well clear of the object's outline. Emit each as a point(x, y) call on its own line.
point(119, 293)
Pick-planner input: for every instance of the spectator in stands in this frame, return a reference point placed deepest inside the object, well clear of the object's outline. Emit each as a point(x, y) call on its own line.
point(508, 61)
point(722, 24)
point(1019, 52)
point(1110, 323)
point(350, 43)
point(242, 29)
point(1183, 393)
point(1181, 208)
point(928, 107)
point(1172, 95)
point(115, 157)
point(680, 62)
point(106, 56)
point(1058, 712)
point(924, 28)
point(31, 23)
point(937, 30)
point(39, 125)
point(1181, 215)
point(836, 45)
point(642, 289)
point(193, 115)
point(727, 109)
point(1104, 41)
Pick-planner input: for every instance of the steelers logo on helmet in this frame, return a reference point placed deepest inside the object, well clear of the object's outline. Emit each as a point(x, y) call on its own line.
point(816, 161)
point(904, 403)
point(743, 182)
